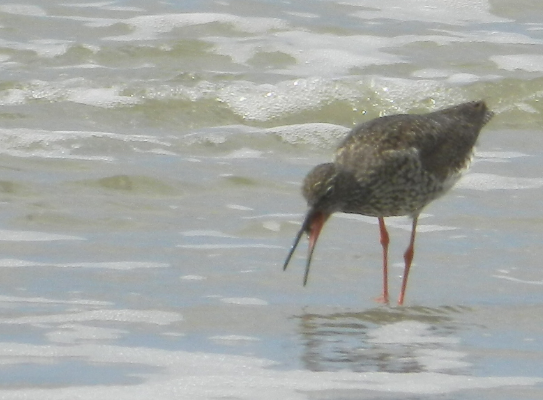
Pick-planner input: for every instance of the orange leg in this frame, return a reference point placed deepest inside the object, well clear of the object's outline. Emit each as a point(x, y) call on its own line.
point(384, 242)
point(408, 258)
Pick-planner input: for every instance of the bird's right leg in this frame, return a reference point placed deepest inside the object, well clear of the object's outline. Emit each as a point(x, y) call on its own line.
point(384, 242)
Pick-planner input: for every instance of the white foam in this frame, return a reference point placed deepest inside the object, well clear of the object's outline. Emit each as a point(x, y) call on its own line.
point(407, 332)
point(239, 207)
point(262, 102)
point(204, 376)
point(124, 8)
point(234, 338)
point(495, 36)
point(93, 22)
point(439, 359)
point(422, 227)
point(497, 156)
point(518, 280)
point(58, 154)
point(245, 153)
point(206, 233)
point(480, 181)
point(74, 333)
point(15, 263)
point(20, 142)
point(315, 54)
point(105, 5)
point(397, 222)
point(429, 73)
point(524, 107)
point(523, 62)
point(150, 26)
point(503, 155)
point(245, 301)
point(13, 97)
point(274, 215)
point(101, 97)
point(116, 265)
point(43, 300)
point(31, 236)
point(48, 48)
point(458, 12)
point(273, 226)
point(209, 246)
point(463, 78)
point(75, 90)
point(192, 278)
point(303, 14)
point(132, 316)
point(23, 9)
point(83, 66)
point(97, 4)
point(317, 134)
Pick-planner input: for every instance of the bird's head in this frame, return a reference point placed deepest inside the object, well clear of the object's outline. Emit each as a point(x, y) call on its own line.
point(320, 188)
point(320, 191)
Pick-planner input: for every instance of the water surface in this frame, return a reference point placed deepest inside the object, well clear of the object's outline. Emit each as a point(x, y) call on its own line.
point(151, 155)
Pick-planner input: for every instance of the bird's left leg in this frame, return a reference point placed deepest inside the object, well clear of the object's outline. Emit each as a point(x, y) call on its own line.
point(408, 258)
point(384, 242)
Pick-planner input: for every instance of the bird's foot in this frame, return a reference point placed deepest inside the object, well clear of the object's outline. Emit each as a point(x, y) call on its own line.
point(383, 299)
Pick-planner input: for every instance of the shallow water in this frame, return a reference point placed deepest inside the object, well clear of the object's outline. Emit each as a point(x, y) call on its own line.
point(151, 157)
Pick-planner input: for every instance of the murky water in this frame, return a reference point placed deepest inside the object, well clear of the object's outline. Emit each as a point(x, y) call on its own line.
point(151, 155)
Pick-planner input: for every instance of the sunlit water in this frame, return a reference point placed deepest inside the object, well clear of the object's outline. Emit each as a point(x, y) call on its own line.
point(151, 157)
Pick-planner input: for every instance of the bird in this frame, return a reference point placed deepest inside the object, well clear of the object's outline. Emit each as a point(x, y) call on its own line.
point(391, 166)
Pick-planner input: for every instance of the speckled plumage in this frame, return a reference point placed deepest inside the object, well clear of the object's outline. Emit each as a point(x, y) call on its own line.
point(396, 165)
point(393, 165)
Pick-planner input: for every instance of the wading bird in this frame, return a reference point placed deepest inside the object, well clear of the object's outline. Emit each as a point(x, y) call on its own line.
point(391, 166)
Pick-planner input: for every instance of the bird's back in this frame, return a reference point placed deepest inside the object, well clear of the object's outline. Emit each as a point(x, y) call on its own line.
point(405, 161)
point(443, 140)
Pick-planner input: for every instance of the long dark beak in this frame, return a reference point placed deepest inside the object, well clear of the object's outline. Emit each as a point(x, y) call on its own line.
point(312, 225)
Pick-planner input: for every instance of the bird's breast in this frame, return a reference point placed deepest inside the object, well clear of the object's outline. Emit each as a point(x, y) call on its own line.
point(405, 191)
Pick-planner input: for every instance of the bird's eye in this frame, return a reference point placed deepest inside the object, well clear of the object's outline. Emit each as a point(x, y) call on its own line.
point(328, 192)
